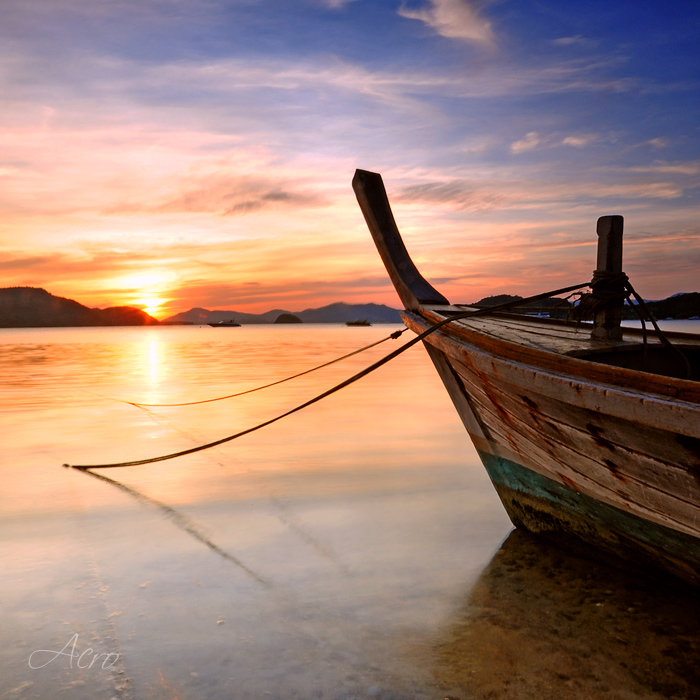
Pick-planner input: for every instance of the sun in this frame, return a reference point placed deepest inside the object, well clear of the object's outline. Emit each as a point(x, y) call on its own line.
point(147, 291)
point(151, 306)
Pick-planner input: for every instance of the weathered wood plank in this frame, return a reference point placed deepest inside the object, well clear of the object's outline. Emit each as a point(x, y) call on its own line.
point(579, 379)
point(592, 440)
point(659, 445)
point(558, 461)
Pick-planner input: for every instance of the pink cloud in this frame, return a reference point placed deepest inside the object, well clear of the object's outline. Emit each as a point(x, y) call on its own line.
point(454, 19)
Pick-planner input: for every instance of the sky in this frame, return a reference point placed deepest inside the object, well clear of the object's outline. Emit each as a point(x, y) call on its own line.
point(171, 154)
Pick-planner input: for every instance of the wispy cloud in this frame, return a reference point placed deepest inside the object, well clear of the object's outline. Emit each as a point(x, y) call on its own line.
point(529, 142)
point(577, 40)
point(505, 193)
point(226, 195)
point(689, 168)
point(454, 19)
point(336, 4)
point(459, 194)
point(269, 294)
point(21, 263)
point(264, 94)
point(659, 142)
point(580, 140)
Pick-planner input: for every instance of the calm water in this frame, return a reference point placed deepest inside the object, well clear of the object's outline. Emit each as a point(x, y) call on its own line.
point(353, 550)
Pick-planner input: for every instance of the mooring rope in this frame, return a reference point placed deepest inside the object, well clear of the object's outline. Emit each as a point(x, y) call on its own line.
point(615, 288)
point(659, 333)
point(393, 336)
point(347, 382)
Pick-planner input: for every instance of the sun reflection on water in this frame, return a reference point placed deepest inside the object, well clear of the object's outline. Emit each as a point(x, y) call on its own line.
point(154, 361)
point(100, 371)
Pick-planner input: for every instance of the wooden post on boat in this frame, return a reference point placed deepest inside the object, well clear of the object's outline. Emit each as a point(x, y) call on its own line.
point(606, 321)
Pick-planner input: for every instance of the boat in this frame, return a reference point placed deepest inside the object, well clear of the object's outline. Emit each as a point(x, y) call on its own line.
point(363, 322)
point(225, 324)
point(589, 431)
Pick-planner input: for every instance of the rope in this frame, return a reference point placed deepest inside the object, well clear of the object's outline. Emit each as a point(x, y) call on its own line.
point(351, 380)
point(659, 333)
point(610, 289)
point(393, 336)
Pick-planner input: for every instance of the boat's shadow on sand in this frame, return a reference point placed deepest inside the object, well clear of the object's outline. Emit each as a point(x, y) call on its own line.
point(543, 624)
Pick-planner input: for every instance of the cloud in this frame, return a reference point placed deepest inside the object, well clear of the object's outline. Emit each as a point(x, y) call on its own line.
point(689, 168)
point(205, 80)
point(657, 143)
point(454, 19)
point(230, 195)
point(579, 141)
point(503, 194)
point(577, 40)
point(459, 194)
point(529, 142)
point(23, 263)
point(336, 4)
point(268, 294)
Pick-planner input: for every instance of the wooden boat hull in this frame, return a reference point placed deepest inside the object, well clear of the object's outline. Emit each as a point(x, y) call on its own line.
point(580, 444)
point(545, 507)
point(612, 467)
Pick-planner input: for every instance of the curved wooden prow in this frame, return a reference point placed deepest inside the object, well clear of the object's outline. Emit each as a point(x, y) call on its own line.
point(413, 289)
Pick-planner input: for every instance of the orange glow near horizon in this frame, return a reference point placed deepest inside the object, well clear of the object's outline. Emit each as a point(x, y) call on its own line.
point(239, 231)
point(225, 182)
point(292, 263)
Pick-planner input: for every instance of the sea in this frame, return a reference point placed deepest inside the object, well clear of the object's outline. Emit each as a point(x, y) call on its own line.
point(353, 549)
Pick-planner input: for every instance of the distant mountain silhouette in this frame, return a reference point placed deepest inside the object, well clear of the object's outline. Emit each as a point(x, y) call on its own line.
point(684, 305)
point(29, 307)
point(554, 308)
point(505, 298)
point(333, 313)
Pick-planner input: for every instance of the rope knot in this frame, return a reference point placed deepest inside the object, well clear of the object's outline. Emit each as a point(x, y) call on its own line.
point(608, 290)
point(606, 284)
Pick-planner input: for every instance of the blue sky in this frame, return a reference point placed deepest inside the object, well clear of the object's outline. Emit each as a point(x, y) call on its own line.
point(178, 153)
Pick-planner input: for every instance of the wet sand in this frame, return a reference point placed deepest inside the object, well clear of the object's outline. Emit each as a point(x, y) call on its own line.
point(345, 597)
point(542, 624)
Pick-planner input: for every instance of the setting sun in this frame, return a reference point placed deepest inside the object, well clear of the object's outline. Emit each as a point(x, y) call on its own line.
point(151, 306)
point(147, 291)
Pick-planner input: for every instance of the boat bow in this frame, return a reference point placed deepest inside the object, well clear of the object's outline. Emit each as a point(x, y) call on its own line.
point(590, 432)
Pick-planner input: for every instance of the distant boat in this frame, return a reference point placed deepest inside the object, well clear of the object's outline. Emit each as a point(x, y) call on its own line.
point(363, 322)
point(590, 436)
point(225, 324)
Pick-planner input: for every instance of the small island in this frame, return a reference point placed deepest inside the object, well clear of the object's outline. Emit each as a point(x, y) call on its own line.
point(288, 318)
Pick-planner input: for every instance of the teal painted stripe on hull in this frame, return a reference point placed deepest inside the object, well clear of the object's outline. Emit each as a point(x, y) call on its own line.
point(557, 511)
